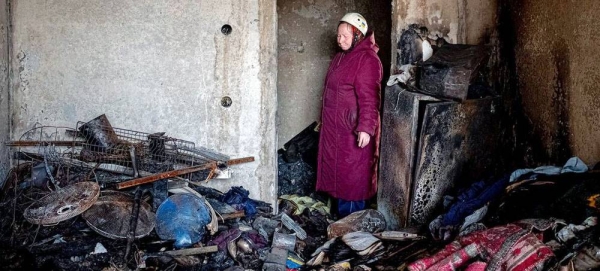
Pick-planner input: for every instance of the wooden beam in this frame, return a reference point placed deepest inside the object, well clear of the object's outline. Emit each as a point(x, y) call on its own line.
point(173, 173)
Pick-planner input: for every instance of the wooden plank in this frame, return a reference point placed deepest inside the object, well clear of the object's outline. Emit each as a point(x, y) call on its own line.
point(193, 251)
point(185, 252)
point(238, 214)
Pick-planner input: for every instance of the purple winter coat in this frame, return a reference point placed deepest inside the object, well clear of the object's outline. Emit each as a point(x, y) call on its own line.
point(351, 100)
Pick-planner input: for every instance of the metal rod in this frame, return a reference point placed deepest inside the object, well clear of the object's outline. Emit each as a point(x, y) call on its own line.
point(33, 143)
point(50, 172)
point(135, 212)
point(173, 173)
point(136, 174)
point(164, 175)
point(240, 161)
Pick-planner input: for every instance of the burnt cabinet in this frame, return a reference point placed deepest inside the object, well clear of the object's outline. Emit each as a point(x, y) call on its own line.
point(429, 146)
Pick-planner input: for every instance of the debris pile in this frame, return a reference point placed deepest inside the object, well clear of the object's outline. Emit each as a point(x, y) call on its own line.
point(107, 198)
point(98, 196)
point(442, 172)
point(297, 163)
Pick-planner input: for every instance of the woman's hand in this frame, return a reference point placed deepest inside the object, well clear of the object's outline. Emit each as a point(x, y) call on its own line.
point(363, 139)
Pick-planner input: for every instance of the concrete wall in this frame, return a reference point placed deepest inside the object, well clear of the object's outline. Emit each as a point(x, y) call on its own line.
point(457, 21)
point(4, 93)
point(307, 42)
point(558, 75)
point(154, 66)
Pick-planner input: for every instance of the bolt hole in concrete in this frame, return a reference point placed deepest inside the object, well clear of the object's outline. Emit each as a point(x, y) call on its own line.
point(65, 209)
point(226, 101)
point(226, 29)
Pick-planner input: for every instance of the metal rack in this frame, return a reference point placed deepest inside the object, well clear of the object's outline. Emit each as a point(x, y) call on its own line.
point(137, 153)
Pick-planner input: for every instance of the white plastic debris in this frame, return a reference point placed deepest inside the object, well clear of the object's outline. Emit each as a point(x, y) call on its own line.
point(99, 249)
point(403, 77)
point(360, 240)
point(59, 240)
point(427, 50)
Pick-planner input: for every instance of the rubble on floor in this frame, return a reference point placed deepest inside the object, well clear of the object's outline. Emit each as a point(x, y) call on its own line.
point(531, 219)
point(61, 213)
point(114, 199)
point(297, 163)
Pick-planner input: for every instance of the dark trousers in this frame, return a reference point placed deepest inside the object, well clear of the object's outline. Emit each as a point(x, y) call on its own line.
point(346, 207)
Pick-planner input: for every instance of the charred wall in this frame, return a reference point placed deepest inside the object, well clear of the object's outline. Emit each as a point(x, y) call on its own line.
point(307, 42)
point(457, 21)
point(556, 74)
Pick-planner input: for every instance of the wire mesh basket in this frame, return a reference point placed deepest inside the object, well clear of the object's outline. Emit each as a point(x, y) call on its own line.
point(49, 142)
point(118, 154)
point(131, 152)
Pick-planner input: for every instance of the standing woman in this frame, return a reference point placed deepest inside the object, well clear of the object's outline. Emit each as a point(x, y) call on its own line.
point(349, 136)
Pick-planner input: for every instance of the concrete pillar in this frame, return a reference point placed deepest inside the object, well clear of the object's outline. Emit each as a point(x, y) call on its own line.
point(4, 90)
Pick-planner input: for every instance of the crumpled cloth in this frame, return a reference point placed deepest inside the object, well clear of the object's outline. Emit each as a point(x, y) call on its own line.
point(222, 239)
point(476, 266)
point(237, 197)
point(406, 74)
point(574, 164)
point(306, 202)
point(475, 217)
point(258, 241)
point(509, 247)
point(470, 204)
point(569, 232)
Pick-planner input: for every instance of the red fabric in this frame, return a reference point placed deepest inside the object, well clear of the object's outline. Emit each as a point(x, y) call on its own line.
point(351, 99)
point(476, 266)
point(509, 247)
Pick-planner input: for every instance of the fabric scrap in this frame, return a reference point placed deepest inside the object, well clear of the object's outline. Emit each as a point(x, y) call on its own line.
point(574, 164)
point(507, 247)
point(470, 203)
